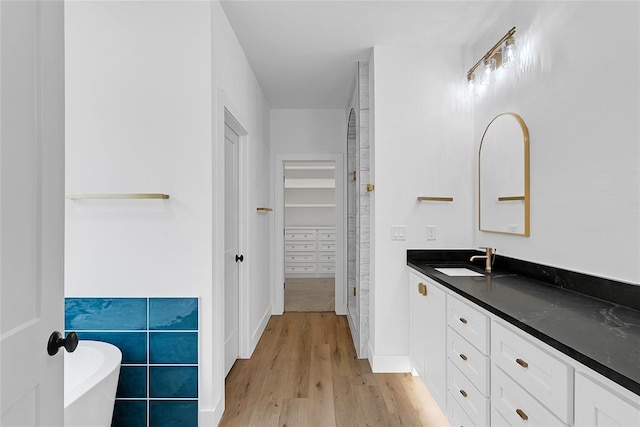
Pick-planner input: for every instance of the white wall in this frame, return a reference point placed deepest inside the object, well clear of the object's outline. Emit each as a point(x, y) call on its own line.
point(147, 86)
point(422, 145)
point(578, 94)
point(318, 131)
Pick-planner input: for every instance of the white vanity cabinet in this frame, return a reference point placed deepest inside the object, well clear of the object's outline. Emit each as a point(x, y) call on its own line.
point(601, 403)
point(499, 375)
point(428, 334)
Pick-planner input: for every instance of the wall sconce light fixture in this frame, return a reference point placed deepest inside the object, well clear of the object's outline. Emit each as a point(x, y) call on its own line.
point(503, 54)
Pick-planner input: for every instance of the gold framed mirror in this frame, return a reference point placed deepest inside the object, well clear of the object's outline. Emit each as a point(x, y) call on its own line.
point(503, 176)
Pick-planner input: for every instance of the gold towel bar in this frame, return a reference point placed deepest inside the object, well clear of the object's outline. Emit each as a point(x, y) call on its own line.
point(510, 198)
point(261, 209)
point(118, 196)
point(435, 199)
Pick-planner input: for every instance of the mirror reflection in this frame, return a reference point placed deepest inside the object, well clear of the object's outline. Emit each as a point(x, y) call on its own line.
point(504, 176)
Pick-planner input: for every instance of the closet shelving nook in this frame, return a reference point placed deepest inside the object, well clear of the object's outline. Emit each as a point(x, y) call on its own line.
point(309, 202)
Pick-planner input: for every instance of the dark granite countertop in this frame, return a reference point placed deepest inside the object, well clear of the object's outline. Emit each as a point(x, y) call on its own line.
point(603, 335)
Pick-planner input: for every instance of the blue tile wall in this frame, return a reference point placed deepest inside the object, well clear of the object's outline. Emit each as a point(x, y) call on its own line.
point(158, 338)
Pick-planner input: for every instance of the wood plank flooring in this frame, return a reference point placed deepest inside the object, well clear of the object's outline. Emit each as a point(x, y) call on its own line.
point(304, 372)
point(309, 294)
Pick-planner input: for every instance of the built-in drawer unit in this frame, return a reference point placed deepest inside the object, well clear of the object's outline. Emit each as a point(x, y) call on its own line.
point(314, 247)
point(471, 362)
point(470, 323)
point(545, 377)
point(470, 399)
point(516, 406)
point(601, 403)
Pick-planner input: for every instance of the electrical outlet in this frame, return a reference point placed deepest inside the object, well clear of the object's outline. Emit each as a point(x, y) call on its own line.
point(398, 232)
point(432, 232)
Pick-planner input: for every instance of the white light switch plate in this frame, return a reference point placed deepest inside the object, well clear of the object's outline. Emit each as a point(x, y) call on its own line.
point(432, 232)
point(398, 232)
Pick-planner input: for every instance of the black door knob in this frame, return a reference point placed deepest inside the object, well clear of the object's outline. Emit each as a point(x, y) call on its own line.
point(70, 343)
point(240, 258)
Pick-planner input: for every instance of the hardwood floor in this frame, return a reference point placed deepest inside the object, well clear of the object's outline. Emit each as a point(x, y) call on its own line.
point(304, 372)
point(313, 294)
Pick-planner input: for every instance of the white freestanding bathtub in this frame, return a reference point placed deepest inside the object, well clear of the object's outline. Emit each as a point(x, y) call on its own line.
point(90, 379)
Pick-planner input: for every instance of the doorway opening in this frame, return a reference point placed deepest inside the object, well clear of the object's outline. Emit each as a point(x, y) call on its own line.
point(310, 235)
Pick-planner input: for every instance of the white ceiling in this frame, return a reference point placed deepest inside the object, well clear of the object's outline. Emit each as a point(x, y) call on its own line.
point(304, 52)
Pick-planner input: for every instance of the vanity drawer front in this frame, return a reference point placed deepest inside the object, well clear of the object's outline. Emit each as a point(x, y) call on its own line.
point(300, 257)
point(473, 364)
point(327, 246)
point(326, 235)
point(455, 414)
point(474, 404)
point(516, 406)
point(545, 377)
point(471, 324)
point(300, 268)
point(300, 234)
point(299, 246)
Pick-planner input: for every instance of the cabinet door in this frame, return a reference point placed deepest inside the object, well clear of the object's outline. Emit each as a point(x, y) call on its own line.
point(435, 346)
point(418, 319)
point(598, 406)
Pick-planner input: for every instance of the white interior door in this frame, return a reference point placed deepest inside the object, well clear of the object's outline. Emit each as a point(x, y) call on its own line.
point(31, 211)
point(232, 256)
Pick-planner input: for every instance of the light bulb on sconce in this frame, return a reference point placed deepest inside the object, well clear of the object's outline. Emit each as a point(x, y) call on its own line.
point(471, 84)
point(509, 53)
point(488, 67)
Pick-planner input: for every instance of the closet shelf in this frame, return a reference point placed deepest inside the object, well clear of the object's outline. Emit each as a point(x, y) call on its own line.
point(117, 196)
point(309, 183)
point(310, 205)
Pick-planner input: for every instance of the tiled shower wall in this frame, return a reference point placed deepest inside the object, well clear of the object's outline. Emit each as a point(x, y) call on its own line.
point(158, 337)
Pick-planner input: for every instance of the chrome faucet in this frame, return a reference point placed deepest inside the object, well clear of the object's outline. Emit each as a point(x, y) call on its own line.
point(490, 252)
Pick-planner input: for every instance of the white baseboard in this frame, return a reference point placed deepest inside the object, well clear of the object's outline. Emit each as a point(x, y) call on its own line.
point(389, 364)
point(211, 417)
point(257, 333)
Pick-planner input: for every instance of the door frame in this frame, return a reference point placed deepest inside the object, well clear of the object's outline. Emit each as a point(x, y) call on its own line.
point(277, 301)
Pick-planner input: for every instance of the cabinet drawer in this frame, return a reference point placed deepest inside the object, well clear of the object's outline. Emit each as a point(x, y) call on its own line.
point(473, 364)
point(300, 268)
point(516, 406)
point(456, 416)
point(326, 235)
point(327, 268)
point(327, 257)
point(470, 323)
point(545, 377)
point(327, 246)
point(294, 234)
point(474, 404)
point(300, 257)
point(299, 246)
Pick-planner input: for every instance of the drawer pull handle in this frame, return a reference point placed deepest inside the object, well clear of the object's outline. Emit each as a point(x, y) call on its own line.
point(422, 289)
point(464, 393)
point(524, 416)
point(463, 357)
point(522, 363)
point(463, 320)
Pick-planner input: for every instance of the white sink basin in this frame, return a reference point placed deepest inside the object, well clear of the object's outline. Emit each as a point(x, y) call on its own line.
point(459, 271)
